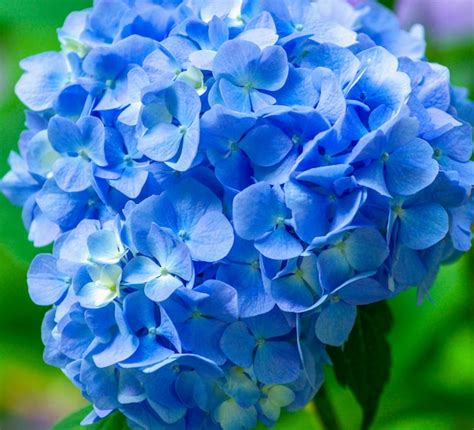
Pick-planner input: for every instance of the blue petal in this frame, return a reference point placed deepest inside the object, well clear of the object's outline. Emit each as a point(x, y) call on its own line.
point(162, 288)
point(333, 268)
point(217, 8)
point(162, 142)
point(241, 388)
point(266, 145)
point(423, 226)
point(279, 245)
point(41, 155)
point(46, 75)
point(238, 345)
point(234, 171)
point(301, 200)
point(140, 270)
point(270, 325)
point(256, 211)
point(277, 363)
point(298, 89)
point(64, 135)
point(253, 299)
point(211, 238)
point(73, 174)
point(260, 100)
point(373, 176)
point(131, 182)
point(272, 70)
point(161, 64)
point(364, 292)
point(46, 284)
point(366, 249)
point(104, 247)
point(221, 126)
point(172, 254)
point(342, 62)
point(332, 103)
point(221, 302)
point(335, 323)
point(130, 390)
point(93, 139)
point(411, 168)
point(232, 60)
point(190, 201)
point(189, 150)
point(183, 103)
point(139, 312)
point(202, 336)
point(234, 97)
point(149, 352)
point(292, 294)
point(121, 348)
point(263, 37)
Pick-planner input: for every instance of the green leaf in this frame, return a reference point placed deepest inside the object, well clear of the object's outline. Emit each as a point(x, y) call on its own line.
point(116, 421)
point(388, 3)
point(301, 420)
point(363, 364)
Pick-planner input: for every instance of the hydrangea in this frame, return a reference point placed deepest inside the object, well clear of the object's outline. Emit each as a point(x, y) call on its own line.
point(224, 183)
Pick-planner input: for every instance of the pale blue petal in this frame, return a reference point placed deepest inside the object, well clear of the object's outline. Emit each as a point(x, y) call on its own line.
point(46, 284)
point(232, 60)
point(161, 288)
point(73, 174)
point(140, 270)
point(183, 103)
point(104, 247)
point(162, 142)
point(279, 245)
point(170, 253)
point(211, 238)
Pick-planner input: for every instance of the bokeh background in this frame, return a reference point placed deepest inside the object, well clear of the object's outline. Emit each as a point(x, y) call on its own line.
point(432, 380)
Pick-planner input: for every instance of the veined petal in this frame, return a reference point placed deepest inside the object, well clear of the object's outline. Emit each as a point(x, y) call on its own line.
point(161, 288)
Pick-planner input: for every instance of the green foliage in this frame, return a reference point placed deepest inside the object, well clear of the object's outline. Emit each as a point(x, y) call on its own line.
point(115, 421)
point(302, 420)
point(363, 364)
point(389, 3)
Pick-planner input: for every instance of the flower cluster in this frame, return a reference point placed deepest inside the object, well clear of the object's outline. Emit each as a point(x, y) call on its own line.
point(224, 183)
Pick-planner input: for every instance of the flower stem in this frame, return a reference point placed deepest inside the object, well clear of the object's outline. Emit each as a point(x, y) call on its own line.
point(325, 410)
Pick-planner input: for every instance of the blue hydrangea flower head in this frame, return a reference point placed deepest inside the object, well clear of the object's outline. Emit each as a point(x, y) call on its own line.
point(225, 182)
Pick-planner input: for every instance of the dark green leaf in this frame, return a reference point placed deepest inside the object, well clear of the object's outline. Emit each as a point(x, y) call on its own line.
point(115, 421)
point(389, 3)
point(363, 364)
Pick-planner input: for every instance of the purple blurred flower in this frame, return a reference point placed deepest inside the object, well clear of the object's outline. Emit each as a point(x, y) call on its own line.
point(442, 18)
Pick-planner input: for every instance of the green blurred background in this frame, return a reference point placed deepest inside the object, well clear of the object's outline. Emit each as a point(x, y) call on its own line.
point(432, 381)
